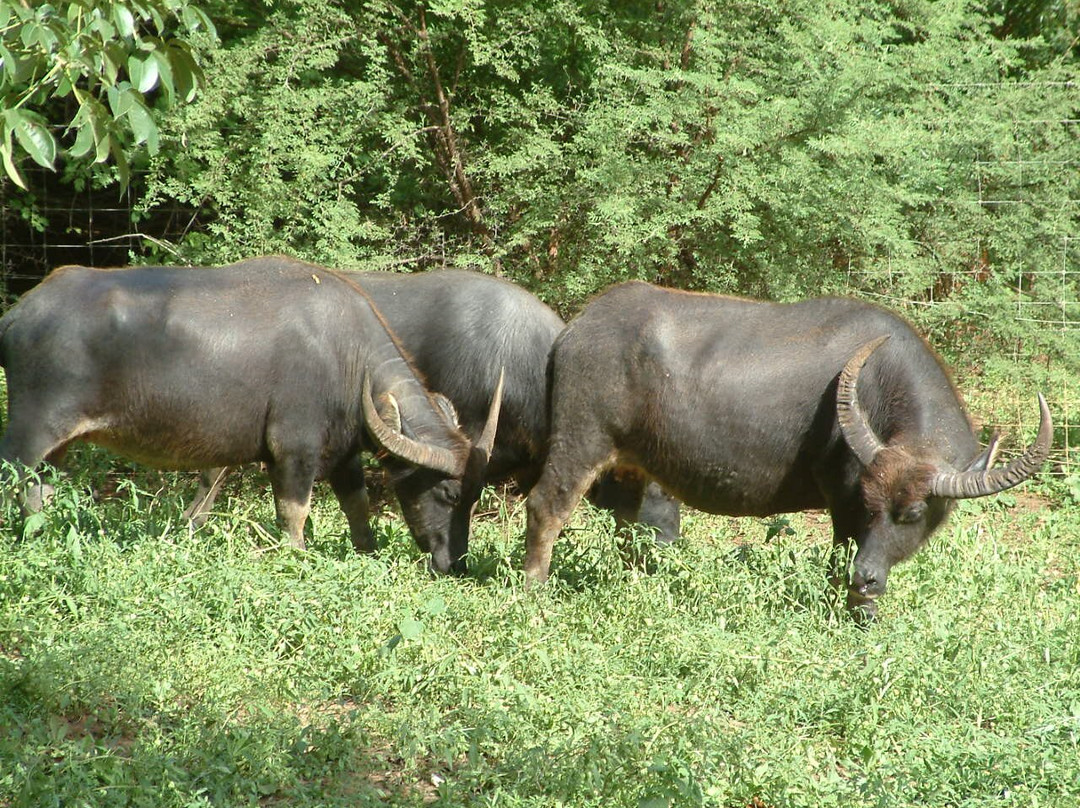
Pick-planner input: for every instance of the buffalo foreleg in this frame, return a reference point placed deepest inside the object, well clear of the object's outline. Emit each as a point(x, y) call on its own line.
point(862, 608)
point(550, 504)
point(291, 479)
point(347, 480)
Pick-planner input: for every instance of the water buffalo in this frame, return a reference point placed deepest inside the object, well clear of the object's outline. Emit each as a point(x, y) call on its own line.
point(269, 360)
point(746, 408)
point(459, 328)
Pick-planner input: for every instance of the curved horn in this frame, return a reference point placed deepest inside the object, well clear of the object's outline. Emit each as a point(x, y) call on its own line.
point(399, 445)
point(486, 441)
point(968, 484)
point(858, 433)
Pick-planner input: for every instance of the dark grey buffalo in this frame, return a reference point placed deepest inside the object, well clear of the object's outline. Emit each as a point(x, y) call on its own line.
point(459, 328)
point(749, 409)
point(269, 360)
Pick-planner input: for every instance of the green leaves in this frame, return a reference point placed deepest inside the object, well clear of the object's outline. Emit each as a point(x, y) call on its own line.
point(822, 147)
point(140, 665)
point(27, 131)
point(143, 70)
point(136, 56)
point(32, 134)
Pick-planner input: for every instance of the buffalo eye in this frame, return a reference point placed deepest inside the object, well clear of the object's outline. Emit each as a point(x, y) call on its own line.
point(450, 493)
point(911, 514)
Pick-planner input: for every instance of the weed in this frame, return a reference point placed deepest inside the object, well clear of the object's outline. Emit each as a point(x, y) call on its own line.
point(143, 664)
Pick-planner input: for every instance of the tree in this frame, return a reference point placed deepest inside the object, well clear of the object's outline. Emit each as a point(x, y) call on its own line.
point(735, 147)
point(97, 68)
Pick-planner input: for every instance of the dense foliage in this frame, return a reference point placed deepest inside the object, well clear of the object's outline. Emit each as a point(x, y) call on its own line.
point(772, 150)
point(96, 67)
point(908, 149)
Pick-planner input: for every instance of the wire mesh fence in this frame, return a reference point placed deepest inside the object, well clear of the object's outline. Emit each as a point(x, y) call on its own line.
point(56, 223)
point(1046, 285)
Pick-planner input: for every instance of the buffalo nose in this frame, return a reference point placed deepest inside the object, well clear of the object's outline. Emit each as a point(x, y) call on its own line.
point(439, 562)
point(444, 563)
point(868, 583)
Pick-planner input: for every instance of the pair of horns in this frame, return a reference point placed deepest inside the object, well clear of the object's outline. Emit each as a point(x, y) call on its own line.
point(437, 458)
point(865, 443)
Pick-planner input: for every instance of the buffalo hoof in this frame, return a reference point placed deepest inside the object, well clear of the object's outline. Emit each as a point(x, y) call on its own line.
point(363, 542)
point(459, 568)
point(195, 522)
point(37, 497)
point(535, 576)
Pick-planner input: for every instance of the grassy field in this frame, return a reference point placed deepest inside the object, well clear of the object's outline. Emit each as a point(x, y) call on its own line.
point(143, 665)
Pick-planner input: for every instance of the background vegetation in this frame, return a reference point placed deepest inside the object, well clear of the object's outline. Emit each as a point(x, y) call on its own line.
point(97, 68)
point(765, 149)
point(907, 150)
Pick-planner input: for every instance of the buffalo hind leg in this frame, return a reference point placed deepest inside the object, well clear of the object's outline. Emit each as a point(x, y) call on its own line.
point(347, 480)
point(625, 489)
point(210, 483)
point(633, 501)
point(660, 511)
point(620, 491)
point(30, 449)
point(291, 479)
point(628, 505)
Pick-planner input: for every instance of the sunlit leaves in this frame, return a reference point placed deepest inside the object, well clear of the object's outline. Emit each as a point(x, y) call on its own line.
point(32, 135)
point(739, 147)
point(118, 59)
point(143, 70)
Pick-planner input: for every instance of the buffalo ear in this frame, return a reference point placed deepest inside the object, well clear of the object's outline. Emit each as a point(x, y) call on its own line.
point(446, 406)
point(436, 458)
point(389, 412)
point(987, 457)
point(970, 484)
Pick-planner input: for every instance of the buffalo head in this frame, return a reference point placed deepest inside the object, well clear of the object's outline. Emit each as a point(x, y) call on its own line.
point(437, 487)
point(907, 490)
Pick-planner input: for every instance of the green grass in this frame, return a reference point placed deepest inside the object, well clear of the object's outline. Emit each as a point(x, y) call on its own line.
point(141, 665)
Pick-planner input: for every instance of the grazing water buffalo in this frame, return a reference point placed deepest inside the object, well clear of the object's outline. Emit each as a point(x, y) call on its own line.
point(459, 328)
point(269, 360)
point(750, 409)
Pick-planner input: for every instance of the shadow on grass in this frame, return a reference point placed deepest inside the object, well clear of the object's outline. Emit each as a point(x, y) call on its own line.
point(101, 741)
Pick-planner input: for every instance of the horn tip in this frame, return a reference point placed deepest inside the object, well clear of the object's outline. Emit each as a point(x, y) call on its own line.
point(1045, 419)
point(868, 348)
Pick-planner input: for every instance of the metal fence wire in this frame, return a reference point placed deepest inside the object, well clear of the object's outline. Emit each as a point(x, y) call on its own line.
point(61, 225)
